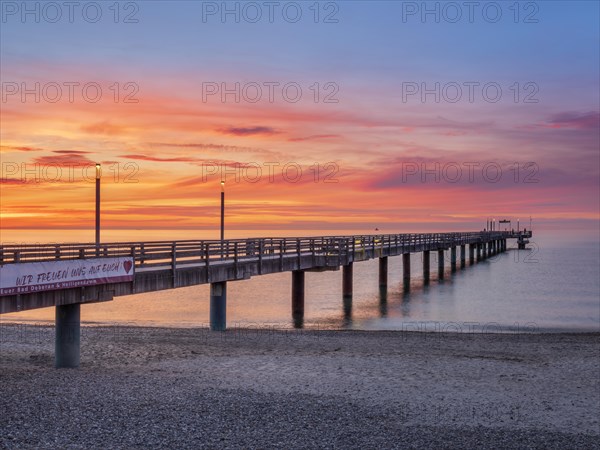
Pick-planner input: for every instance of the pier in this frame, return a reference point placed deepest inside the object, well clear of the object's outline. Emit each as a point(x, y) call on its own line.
point(66, 275)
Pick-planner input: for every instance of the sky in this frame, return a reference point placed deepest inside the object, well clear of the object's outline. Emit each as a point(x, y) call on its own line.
point(405, 116)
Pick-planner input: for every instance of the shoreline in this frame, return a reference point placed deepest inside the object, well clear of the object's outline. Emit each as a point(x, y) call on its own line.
point(422, 327)
point(300, 388)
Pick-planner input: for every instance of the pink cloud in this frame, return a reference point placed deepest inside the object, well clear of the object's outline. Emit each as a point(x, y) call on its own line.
point(249, 131)
point(314, 137)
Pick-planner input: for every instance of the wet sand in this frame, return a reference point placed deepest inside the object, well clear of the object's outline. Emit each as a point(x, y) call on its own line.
point(157, 387)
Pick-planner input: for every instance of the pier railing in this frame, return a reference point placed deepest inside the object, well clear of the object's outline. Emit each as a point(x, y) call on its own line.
point(157, 253)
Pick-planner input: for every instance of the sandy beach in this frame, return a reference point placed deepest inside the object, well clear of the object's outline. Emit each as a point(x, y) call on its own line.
point(158, 387)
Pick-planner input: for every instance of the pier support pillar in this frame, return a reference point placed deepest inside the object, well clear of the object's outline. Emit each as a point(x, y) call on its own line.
point(383, 272)
point(463, 256)
point(347, 280)
point(218, 306)
point(298, 298)
point(472, 253)
point(68, 336)
point(441, 264)
point(478, 252)
point(406, 269)
point(426, 264)
point(453, 258)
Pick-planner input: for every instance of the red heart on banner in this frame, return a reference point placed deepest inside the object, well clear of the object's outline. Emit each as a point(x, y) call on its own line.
point(127, 266)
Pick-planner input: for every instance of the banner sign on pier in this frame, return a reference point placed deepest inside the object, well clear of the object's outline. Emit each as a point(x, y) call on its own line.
point(24, 278)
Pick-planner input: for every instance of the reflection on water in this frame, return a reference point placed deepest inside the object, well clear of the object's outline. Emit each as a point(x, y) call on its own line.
point(554, 287)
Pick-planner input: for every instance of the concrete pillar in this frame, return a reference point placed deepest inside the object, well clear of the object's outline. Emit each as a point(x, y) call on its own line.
point(426, 264)
point(218, 306)
point(68, 335)
point(347, 280)
point(440, 264)
point(383, 306)
point(347, 309)
point(383, 272)
point(478, 245)
point(298, 298)
point(453, 258)
point(406, 268)
point(463, 256)
point(472, 253)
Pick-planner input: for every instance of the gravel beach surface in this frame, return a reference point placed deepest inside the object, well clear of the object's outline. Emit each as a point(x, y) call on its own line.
point(158, 387)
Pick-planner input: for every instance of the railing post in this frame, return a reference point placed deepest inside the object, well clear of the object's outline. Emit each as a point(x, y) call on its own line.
point(174, 263)
point(298, 251)
point(133, 256)
point(207, 261)
point(261, 246)
point(235, 258)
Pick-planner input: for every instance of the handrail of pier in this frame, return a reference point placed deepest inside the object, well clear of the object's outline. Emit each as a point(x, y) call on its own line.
point(159, 253)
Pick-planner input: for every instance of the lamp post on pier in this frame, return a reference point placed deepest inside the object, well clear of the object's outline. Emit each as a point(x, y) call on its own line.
point(222, 215)
point(98, 176)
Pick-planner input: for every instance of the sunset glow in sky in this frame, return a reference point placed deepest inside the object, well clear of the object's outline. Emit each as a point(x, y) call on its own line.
point(361, 146)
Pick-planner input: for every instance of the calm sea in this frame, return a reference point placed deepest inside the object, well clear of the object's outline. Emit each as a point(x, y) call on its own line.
point(553, 286)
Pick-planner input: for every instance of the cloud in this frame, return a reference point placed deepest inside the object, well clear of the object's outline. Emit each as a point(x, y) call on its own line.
point(248, 131)
point(68, 160)
point(216, 147)
point(568, 120)
point(314, 137)
point(587, 120)
point(11, 181)
point(158, 159)
point(10, 148)
point(199, 145)
point(103, 128)
point(71, 152)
